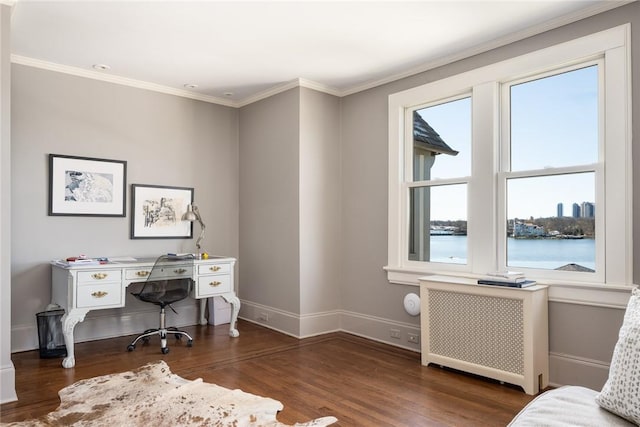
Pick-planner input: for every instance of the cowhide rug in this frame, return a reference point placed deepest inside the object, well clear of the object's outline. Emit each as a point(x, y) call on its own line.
point(152, 396)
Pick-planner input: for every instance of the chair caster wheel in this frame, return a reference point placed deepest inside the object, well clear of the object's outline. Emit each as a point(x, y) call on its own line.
point(190, 343)
point(131, 347)
point(164, 350)
point(178, 336)
point(145, 340)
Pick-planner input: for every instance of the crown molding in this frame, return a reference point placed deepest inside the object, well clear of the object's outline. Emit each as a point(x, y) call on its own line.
point(552, 24)
point(597, 8)
point(309, 84)
point(300, 82)
point(267, 93)
point(96, 75)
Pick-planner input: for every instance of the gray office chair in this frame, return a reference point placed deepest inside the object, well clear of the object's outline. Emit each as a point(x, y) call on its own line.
point(170, 281)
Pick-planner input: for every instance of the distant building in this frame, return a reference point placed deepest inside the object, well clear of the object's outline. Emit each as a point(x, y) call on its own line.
point(560, 212)
point(525, 229)
point(575, 210)
point(587, 210)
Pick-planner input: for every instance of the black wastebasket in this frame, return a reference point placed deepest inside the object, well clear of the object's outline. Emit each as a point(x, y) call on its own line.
point(50, 334)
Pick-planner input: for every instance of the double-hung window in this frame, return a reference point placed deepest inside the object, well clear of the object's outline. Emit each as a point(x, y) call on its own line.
point(521, 165)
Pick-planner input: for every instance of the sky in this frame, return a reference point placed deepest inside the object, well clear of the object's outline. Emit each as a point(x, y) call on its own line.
point(554, 123)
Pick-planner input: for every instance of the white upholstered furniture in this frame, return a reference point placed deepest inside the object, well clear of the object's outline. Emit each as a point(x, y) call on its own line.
point(567, 406)
point(617, 404)
point(79, 289)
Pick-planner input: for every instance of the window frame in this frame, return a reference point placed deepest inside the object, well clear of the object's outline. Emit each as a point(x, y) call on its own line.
point(487, 184)
point(409, 182)
point(505, 173)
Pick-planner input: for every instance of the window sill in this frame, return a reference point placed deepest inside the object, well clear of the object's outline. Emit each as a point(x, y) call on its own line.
point(581, 293)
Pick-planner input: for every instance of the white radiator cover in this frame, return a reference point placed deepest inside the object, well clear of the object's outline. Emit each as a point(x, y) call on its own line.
point(493, 331)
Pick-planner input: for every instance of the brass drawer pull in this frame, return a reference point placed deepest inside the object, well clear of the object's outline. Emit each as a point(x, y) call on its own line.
point(180, 270)
point(214, 284)
point(215, 268)
point(142, 273)
point(99, 294)
point(99, 276)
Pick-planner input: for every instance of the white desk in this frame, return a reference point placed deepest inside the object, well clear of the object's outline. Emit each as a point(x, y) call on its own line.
point(82, 288)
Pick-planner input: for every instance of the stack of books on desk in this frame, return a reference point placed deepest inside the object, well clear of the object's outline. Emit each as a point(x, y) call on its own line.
point(71, 261)
point(510, 279)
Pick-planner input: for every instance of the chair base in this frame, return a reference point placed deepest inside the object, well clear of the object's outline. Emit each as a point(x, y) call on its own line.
point(163, 338)
point(162, 331)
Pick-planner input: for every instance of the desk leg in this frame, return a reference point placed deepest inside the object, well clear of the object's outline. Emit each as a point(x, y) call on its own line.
point(69, 322)
point(203, 305)
point(235, 309)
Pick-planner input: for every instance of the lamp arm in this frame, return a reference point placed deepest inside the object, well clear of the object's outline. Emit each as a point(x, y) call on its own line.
point(196, 211)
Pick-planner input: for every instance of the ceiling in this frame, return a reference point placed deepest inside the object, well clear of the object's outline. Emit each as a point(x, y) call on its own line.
point(236, 52)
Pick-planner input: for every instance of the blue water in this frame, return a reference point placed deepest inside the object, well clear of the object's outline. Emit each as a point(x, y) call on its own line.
point(529, 253)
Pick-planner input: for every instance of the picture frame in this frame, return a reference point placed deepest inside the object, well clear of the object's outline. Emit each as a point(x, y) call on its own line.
point(86, 186)
point(157, 210)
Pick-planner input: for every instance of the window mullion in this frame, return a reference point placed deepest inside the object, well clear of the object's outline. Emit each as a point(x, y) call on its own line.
point(482, 192)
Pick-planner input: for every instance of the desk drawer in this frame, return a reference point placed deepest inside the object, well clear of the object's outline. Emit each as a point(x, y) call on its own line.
point(99, 276)
point(100, 295)
point(213, 285)
point(137, 273)
point(168, 272)
point(214, 268)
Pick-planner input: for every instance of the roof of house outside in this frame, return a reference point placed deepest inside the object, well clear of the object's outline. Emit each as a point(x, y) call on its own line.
point(426, 138)
point(575, 267)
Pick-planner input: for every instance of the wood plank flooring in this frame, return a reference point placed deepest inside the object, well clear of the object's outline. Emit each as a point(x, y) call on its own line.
point(361, 382)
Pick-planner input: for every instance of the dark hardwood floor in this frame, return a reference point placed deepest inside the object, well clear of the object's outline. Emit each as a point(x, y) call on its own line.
point(361, 382)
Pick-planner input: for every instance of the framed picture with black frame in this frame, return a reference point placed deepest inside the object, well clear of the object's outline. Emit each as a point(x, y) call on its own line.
point(86, 186)
point(157, 210)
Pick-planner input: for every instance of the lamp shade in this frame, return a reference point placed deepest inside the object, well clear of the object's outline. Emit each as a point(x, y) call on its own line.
point(189, 215)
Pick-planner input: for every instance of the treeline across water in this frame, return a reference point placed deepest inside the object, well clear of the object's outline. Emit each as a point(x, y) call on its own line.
point(563, 225)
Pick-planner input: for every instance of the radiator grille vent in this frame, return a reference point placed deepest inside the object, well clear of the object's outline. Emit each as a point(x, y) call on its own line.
point(479, 329)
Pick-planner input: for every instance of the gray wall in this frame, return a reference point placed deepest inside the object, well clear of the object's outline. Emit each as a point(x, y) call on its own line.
point(581, 341)
point(166, 140)
point(290, 208)
point(320, 181)
point(269, 200)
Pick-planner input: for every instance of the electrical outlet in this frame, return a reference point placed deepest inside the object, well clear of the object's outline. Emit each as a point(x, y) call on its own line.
point(413, 338)
point(264, 317)
point(394, 333)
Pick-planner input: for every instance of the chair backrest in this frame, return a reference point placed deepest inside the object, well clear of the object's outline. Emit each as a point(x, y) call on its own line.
point(170, 280)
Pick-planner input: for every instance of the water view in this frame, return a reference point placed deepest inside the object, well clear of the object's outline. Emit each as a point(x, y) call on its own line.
point(529, 253)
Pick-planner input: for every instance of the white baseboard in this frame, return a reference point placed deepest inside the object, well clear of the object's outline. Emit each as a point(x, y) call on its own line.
point(563, 368)
point(7, 384)
point(379, 329)
point(109, 324)
point(279, 320)
point(304, 326)
point(566, 369)
point(319, 323)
